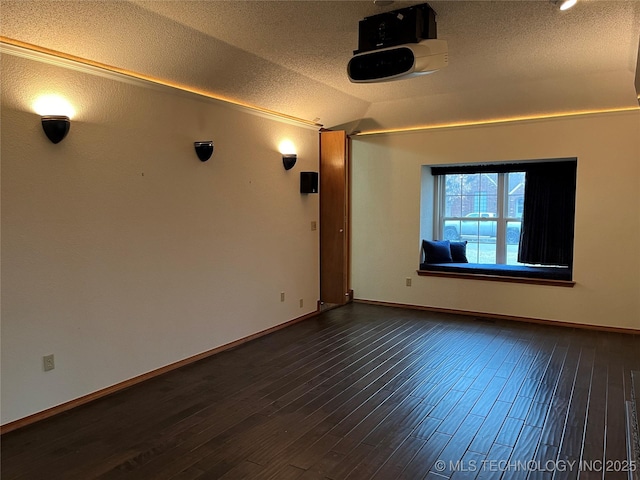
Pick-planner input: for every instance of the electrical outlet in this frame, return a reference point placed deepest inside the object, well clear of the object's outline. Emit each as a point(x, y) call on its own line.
point(301, 303)
point(48, 362)
point(282, 296)
point(408, 282)
point(314, 226)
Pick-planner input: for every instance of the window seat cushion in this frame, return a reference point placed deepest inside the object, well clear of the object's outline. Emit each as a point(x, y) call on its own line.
point(552, 273)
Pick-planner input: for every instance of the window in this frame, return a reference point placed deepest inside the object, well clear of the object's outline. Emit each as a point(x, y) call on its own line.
point(485, 210)
point(517, 219)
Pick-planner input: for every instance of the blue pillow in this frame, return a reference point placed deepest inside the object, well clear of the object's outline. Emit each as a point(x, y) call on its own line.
point(437, 251)
point(459, 252)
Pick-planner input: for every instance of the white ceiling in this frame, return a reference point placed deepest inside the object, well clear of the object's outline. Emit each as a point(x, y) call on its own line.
point(506, 58)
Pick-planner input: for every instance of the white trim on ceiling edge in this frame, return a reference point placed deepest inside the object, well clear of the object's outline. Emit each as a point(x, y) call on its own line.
point(92, 68)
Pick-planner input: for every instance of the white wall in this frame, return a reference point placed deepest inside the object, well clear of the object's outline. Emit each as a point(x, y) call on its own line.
point(386, 218)
point(121, 251)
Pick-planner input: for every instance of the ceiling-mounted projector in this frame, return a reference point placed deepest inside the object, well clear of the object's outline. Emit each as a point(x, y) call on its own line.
point(398, 62)
point(397, 44)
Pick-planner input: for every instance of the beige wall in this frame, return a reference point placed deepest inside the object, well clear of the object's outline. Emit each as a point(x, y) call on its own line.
point(386, 218)
point(121, 251)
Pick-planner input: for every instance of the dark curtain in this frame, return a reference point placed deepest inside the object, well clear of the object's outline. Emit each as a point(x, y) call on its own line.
point(548, 216)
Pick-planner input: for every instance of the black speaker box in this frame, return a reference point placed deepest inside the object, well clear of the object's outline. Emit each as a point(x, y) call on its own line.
point(308, 182)
point(399, 27)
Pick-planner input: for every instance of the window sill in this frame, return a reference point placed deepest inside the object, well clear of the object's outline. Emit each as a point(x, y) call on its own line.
point(499, 276)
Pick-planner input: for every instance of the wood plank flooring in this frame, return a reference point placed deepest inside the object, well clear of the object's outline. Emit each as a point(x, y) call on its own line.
point(359, 392)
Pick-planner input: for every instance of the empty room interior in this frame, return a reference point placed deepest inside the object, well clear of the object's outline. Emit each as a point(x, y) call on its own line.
point(320, 239)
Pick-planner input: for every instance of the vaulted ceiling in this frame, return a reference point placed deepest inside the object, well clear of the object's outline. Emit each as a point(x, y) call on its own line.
point(506, 58)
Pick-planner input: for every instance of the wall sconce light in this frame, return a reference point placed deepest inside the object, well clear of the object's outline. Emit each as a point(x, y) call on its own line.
point(564, 4)
point(55, 112)
point(55, 127)
point(204, 150)
point(289, 160)
point(288, 151)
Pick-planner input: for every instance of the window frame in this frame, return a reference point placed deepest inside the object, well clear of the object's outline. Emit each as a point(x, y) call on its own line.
point(502, 211)
point(432, 204)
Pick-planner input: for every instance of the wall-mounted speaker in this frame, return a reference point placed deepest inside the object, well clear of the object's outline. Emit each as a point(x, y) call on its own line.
point(308, 182)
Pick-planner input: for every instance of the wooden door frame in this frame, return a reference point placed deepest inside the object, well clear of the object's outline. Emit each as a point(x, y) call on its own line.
point(335, 152)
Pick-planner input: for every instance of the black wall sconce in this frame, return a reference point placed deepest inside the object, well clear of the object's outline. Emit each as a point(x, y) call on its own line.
point(204, 150)
point(55, 127)
point(563, 4)
point(289, 160)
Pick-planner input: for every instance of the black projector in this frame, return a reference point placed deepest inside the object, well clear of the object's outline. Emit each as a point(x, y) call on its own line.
point(406, 25)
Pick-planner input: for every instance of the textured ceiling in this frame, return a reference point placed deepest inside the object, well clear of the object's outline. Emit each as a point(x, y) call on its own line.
point(506, 58)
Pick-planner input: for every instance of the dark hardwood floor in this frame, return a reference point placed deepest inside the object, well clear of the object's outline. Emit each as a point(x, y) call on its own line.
point(360, 392)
